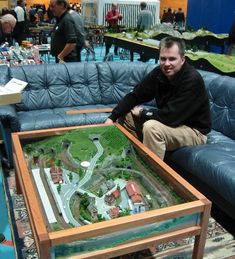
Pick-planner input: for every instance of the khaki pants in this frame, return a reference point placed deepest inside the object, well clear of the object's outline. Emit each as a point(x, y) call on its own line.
point(160, 138)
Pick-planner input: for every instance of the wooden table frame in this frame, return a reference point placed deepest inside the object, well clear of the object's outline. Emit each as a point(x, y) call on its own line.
point(45, 240)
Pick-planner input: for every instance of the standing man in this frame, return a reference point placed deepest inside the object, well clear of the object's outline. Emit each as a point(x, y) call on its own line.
point(112, 17)
point(63, 37)
point(145, 18)
point(144, 22)
point(79, 26)
point(179, 20)
point(20, 28)
point(231, 41)
point(182, 117)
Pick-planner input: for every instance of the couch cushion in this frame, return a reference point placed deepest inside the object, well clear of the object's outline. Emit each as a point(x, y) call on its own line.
point(56, 86)
point(221, 92)
point(117, 79)
point(213, 163)
point(56, 118)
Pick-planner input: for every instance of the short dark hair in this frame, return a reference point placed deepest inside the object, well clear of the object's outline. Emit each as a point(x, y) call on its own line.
point(143, 4)
point(169, 41)
point(63, 2)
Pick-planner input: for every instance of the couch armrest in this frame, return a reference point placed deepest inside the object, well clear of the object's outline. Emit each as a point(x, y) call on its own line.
point(9, 118)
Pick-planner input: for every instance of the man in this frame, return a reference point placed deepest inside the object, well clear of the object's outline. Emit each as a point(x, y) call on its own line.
point(231, 41)
point(20, 28)
point(7, 24)
point(63, 37)
point(112, 17)
point(179, 20)
point(79, 26)
point(145, 18)
point(144, 22)
point(182, 117)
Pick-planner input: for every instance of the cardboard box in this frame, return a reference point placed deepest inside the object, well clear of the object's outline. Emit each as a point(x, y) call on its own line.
point(10, 93)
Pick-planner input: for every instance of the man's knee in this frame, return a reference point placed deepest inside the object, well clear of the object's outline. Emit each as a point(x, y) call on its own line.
point(153, 127)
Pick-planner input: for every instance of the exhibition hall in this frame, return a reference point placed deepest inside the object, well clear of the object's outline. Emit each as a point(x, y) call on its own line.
point(117, 124)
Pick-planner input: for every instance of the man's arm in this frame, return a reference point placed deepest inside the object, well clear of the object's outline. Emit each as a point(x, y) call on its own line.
point(66, 50)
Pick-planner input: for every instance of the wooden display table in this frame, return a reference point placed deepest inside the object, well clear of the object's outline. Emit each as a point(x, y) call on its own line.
point(208, 61)
point(161, 208)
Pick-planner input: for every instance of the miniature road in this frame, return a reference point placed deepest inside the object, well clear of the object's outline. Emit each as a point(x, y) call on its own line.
point(93, 161)
point(70, 188)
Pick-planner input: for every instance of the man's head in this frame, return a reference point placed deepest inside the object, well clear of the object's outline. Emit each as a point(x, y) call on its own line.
point(172, 51)
point(58, 7)
point(143, 5)
point(20, 3)
point(114, 7)
point(8, 22)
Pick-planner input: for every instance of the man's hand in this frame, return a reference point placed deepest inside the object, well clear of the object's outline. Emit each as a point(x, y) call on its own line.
point(108, 122)
point(137, 110)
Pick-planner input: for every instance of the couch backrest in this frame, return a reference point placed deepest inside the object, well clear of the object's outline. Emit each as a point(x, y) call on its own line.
point(72, 84)
point(58, 85)
point(221, 92)
point(118, 78)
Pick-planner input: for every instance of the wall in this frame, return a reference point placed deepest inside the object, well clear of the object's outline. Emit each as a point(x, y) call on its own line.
point(174, 5)
point(3, 4)
point(216, 16)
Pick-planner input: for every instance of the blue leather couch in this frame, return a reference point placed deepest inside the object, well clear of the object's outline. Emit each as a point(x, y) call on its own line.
point(54, 89)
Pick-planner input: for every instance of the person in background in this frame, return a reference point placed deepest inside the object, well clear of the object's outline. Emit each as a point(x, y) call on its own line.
point(168, 17)
point(63, 36)
point(112, 18)
point(179, 20)
point(32, 15)
point(231, 41)
point(144, 22)
point(7, 25)
point(20, 28)
point(182, 116)
point(50, 15)
point(145, 18)
point(79, 25)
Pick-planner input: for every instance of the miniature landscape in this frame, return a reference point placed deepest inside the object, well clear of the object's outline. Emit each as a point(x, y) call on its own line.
point(90, 175)
point(95, 174)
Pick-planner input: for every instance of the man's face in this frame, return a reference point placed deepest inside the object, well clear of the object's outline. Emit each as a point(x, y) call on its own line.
point(7, 28)
point(114, 7)
point(56, 9)
point(171, 61)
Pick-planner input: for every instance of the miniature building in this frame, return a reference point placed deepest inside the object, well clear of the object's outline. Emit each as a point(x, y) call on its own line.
point(110, 184)
point(115, 194)
point(136, 203)
point(103, 188)
point(109, 199)
point(114, 212)
point(93, 210)
point(56, 174)
point(134, 192)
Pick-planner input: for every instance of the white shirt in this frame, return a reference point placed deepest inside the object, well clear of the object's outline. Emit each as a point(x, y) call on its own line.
point(20, 13)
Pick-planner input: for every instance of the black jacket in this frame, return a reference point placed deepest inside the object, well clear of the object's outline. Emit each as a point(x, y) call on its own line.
point(182, 101)
point(63, 32)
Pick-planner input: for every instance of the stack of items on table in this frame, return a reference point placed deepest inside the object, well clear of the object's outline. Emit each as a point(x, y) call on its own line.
point(26, 54)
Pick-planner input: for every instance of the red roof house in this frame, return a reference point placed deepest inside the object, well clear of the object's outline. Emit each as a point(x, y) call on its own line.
point(134, 192)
